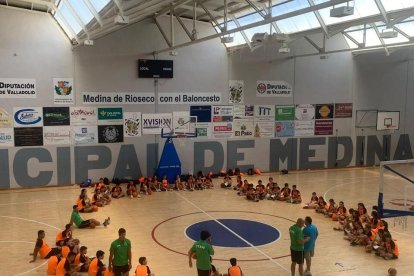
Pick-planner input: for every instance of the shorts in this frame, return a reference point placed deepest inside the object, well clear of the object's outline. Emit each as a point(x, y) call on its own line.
point(85, 224)
point(118, 270)
point(55, 251)
point(203, 272)
point(309, 254)
point(296, 256)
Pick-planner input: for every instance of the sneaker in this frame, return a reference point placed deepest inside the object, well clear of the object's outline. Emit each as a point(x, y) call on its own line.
point(158, 190)
point(105, 223)
point(308, 273)
point(139, 196)
point(131, 197)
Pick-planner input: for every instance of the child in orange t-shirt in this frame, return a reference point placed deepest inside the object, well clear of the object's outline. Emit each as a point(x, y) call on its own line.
point(142, 269)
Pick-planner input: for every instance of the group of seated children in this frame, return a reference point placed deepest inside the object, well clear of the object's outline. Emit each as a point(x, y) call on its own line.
point(68, 258)
point(271, 191)
point(359, 227)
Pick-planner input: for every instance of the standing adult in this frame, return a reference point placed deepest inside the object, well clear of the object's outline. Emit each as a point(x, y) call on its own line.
point(202, 250)
point(309, 249)
point(120, 255)
point(297, 242)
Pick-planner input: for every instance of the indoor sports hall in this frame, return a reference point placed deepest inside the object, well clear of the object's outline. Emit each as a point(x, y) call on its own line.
point(178, 111)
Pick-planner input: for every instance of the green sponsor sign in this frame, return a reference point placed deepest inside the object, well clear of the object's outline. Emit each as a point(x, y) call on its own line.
point(110, 113)
point(285, 112)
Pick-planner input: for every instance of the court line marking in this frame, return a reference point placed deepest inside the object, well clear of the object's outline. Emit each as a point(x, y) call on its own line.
point(234, 233)
point(266, 244)
point(31, 202)
point(22, 273)
point(338, 185)
point(30, 220)
point(216, 259)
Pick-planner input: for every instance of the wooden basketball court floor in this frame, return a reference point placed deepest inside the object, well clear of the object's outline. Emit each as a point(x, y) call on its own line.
point(156, 226)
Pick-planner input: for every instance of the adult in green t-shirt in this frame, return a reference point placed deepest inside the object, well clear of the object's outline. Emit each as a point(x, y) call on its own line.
point(202, 250)
point(297, 242)
point(120, 255)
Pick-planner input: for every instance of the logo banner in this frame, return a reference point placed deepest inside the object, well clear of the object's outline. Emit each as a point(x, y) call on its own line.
point(273, 89)
point(264, 129)
point(203, 113)
point(324, 127)
point(111, 98)
point(27, 117)
point(63, 91)
point(56, 135)
point(110, 134)
point(203, 130)
point(264, 113)
point(285, 112)
point(222, 113)
point(110, 115)
point(56, 116)
point(17, 88)
point(6, 120)
point(132, 124)
point(305, 112)
point(189, 98)
point(6, 137)
point(236, 91)
point(243, 111)
point(324, 111)
point(154, 122)
point(304, 128)
point(83, 116)
point(223, 130)
point(28, 136)
point(243, 128)
point(85, 135)
point(285, 129)
point(343, 110)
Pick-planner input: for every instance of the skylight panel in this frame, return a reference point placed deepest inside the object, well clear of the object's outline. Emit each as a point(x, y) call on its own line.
point(82, 10)
point(99, 4)
point(290, 7)
point(69, 18)
point(391, 5)
point(299, 23)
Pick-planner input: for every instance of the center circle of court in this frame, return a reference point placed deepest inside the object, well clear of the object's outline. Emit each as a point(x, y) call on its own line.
point(234, 232)
point(239, 213)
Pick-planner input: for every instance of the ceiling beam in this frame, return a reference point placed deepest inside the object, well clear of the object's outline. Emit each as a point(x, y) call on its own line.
point(92, 9)
point(387, 53)
point(319, 18)
point(382, 10)
point(260, 23)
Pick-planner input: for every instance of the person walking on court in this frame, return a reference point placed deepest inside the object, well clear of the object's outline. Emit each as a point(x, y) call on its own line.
point(297, 242)
point(120, 255)
point(202, 250)
point(309, 249)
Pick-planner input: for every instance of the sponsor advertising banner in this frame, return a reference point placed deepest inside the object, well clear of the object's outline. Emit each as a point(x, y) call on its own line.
point(236, 91)
point(56, 116)
point(343, 110)
point(183, 123)
point(111, 98)
point(324, 111)
point(203, 130)
point(153, 123)
point(203, 113)
point(6, 119)
point(323, 127)
point(243, 111)
point(132, 124)
point(285, 129)
point(6, 137)
point(83, 116)
point(27, 116)
point(285, 112)
point(264, 113)
point(304, 128)
point(189, 98)
point(110, 134)
point(28, 136)
point(264, 129)
point(63, 91)
point(56, 135)
point(305, 112)
point(243, 128)
point(223, 130)
point(17, 88)
point(85, 135)
point(273, 89)
point(222, 113)
point(110, 115)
